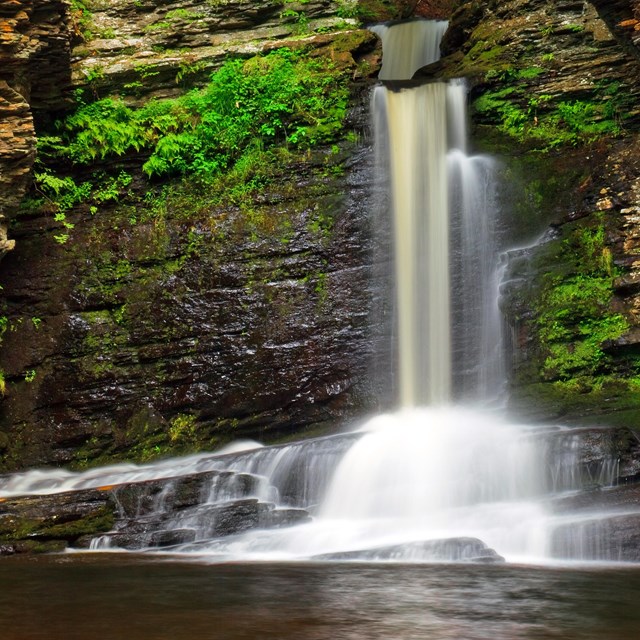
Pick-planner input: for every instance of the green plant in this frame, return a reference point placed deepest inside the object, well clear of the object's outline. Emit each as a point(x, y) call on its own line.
point(183, 428)
point(61, 194)
point(30, 375)
point(81, 19)
point(111, 188)
point(351, 9)
point(161, 25)
point(565, 123)
point(574, 316)
point(299, 17)
point(283, 97)
point(183, 14)
point(233, 136)
point(188, 68)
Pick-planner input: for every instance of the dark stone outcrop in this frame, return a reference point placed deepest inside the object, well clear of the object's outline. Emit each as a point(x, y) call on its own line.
point(613, 538)
point(445, 550)
point(148, 49)
point(623, 17)
point(209, 324)
point(50, 523)
point(193, 331)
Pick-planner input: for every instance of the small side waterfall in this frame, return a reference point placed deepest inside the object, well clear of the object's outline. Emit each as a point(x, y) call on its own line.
point(477, 358)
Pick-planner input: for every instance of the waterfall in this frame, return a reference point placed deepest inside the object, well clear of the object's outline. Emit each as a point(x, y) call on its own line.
point(416, 122)
point(443, 476)
point(443, 201)
point(415, 44)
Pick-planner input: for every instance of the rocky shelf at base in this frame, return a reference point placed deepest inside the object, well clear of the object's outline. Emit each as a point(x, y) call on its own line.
point(447, 549)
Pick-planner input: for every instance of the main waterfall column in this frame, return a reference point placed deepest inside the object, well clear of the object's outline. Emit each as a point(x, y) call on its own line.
point(417, 125)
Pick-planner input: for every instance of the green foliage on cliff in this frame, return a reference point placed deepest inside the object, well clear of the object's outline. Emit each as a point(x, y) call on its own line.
point(281, 98)
point(541, 121)
point(229, 135)
point(574, 317)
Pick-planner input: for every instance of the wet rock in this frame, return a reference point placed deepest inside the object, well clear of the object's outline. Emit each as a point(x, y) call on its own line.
point(17, 153)
point(174, 494)
point(591, 458)
point(434, 9)
point(236, 517)
point(265, 331)
point(172, 537)
point(284, 518)
point(35, 41)
point(448, 549)
point(142, 49)
point(200, 522)
point(46, 523)
point(619, 498)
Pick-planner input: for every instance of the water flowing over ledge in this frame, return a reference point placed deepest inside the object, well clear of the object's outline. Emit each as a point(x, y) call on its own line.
point(442, 479)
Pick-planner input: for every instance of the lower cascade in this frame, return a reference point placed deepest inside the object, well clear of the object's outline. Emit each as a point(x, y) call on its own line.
point(444, 478)
point(419, 485)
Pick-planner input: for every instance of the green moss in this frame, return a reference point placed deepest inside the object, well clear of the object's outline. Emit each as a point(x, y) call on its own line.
point(573, 310)
point(370, 10)
point(184, 15)
point(582, 401)
point(14, 528)
point(482, 53)
point(183, 429)
point(542, 124)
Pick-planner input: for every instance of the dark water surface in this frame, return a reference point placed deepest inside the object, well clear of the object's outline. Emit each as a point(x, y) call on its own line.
point(113, 597)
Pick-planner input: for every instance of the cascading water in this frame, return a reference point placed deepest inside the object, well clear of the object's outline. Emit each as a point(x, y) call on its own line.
point(414, 44)
point(436, 473)
point(439, 479)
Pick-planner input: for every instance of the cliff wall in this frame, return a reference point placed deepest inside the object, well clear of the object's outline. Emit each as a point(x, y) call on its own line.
point(147, 313)
point(143, 316)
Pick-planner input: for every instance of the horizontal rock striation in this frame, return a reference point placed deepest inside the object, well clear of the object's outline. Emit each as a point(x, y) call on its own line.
point(209, 327)
point(239, 322)
point(145, 49)
point(35, 42)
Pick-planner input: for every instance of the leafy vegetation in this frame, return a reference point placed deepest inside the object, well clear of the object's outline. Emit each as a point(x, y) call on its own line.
point(518, 108)
point(574, 317)
point(546, 125)
point(248, 105)
point(235, 125)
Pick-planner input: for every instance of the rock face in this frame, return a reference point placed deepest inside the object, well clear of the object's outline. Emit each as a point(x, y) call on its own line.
point(51, 523)
point(146, 334)
point(145, 49)
point(209, 327)
point(34, 72)
point(17, 153)
point(210, 324)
